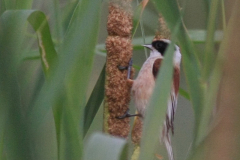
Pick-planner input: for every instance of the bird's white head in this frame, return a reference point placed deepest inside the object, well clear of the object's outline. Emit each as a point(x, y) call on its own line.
point(159, 47)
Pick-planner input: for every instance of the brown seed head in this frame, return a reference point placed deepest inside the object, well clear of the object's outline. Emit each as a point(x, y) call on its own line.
point(119, 21)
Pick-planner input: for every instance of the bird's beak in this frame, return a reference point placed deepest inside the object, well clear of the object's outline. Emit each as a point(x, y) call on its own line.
point(149, 46)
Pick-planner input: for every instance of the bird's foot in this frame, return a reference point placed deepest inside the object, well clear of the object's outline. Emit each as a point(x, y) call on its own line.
point(122, 67)
point(129, 67)
point(126, 114)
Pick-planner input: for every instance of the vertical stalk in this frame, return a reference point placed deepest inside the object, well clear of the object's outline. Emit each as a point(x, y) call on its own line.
point(119, 52)
point(223, 15)
point(209, 51)
point(224, 138)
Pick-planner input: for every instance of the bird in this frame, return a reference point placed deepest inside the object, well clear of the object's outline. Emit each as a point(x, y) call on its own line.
point(143, 86)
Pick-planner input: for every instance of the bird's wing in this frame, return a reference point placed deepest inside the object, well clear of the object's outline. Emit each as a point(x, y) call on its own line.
point(172, 106)
point(176, 79)
point(156, 66)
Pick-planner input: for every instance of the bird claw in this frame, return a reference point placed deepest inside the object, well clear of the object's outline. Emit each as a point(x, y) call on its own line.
point(129, 68)
point(130, 82)
point(122, 67)
point(126, 114)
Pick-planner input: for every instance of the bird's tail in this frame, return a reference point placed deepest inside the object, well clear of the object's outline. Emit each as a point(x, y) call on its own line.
point(168, 144)
point(166, 138)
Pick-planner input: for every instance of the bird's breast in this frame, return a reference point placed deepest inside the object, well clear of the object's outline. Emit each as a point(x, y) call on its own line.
point(143, 86)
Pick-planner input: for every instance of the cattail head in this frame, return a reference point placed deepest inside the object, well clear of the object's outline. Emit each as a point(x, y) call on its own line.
point(119, 19)
point(163, 31)
point(119, 52)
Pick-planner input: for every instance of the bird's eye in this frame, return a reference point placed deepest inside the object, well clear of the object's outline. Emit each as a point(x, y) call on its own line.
point(160, 46)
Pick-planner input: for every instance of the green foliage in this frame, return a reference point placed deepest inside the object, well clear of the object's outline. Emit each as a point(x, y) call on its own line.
point(68, 74)
point(105, 147)
point(13, 123)
point(94, 101)
point(47, 117)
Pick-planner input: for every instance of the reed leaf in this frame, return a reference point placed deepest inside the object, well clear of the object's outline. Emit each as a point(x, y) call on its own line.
point(103, 147)
point(94, 102)
point(70, 79)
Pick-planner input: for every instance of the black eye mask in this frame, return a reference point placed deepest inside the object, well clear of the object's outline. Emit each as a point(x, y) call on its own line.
point(160, 46)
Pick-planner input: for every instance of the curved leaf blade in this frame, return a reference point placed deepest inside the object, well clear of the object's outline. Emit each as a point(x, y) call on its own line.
point(46, 47)
point(15, 134)
point(38, 21)
point(184, 93)
point(70, 79)
point(104, 148)
point(94, 101)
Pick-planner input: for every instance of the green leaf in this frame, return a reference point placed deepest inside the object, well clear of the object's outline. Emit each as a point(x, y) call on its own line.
point(137, 67)
point(184, 93)
point(46, 47)
point(15, 132)
point(94, 102)
point(103, 147)
point(2, 7)
point(26, 4)
point(67, 13)
point(211, 91)
point(209, 55)
point(48, 56)
point(2, 125)
point(138, 15)
point(223, 135)
point(70, 79)
point(38, 21)
point(223, 15)
point(199, 36)
point(56, 16)
point(15, 4)
point(209, 60)
point(31, 55)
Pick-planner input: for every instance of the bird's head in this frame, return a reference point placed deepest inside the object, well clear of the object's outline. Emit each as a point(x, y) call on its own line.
point(159, 47)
